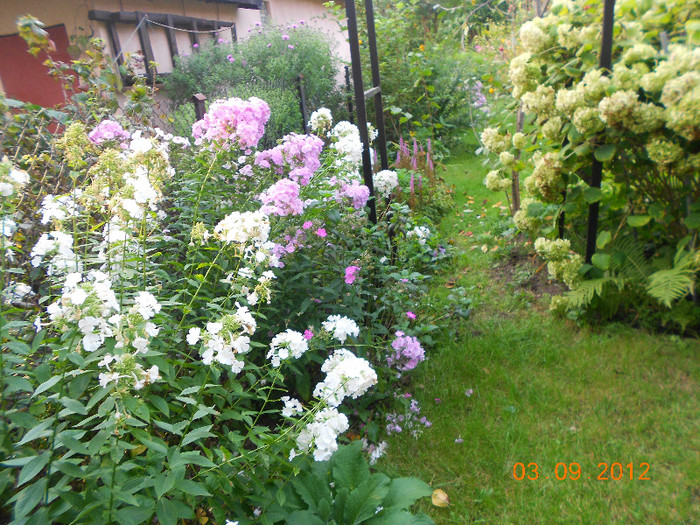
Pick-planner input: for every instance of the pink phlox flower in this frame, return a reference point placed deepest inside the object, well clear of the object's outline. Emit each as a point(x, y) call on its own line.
point(297, 153)
point(410, 315)
point(307, 225)
point(351, 274)
point(108, 130)
point(357, 192)
point(321, 232)
point(407, 352)
point(308, 334)
point(233, 122)
point(282, 198)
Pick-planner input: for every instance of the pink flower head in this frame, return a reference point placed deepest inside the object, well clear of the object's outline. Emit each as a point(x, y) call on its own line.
point(233, 122)
point(195, 46)
point(108, 130)
point(477, 48)
point(290, 46)
point(285, 37)
point(282, 198)
point(307, 225)
point(407, 352)
point(302, 22)
point(269, 45)
point(221, 40)
point(308, 334)
point(230, 58)
point(321, 232)
point(351, 274)
point(410, 315)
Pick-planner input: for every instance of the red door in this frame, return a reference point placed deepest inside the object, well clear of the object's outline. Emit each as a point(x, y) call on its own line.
point(25, 77)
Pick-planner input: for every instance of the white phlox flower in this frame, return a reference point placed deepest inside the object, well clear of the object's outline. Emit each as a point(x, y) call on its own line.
point(340, 327)
point(346, 376)
point(285, 345)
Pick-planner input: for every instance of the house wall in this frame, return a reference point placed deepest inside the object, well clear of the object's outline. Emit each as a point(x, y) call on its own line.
point(74, 15)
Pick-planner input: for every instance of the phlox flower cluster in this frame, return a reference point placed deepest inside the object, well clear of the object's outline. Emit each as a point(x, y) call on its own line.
point(322, 433)
point(282, 198)
point(356, 192)
point(91, 304)
point(298, 154)
point(224, 341)
point(125, 370)
point(421, 233)
point(12, 180)
point(375, 450)
point(321, 121)
point(351, 274)
point(341, 327)
point(233, 123)
point(384, 182)
point(346, 376)
point(285, 345)
point(407, 352)
point(410, 420)
point(109, 130)
point(345, 139)
point(244, 227)
point(57, 247)
point(292, 407)
point(61, 207)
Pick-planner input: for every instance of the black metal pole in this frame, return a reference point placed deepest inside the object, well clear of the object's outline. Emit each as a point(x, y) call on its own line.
point(360, 105)
point(597, 167)
point(302, 104)
point(348, 89)
point(378, 104)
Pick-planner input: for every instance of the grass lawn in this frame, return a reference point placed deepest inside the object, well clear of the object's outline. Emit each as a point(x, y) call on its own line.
point(545, 392)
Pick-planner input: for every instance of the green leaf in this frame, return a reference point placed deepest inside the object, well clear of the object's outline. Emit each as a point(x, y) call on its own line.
point(350, 468)
point(38, 431)
point(31, 469)
point(197, 433)
point(637, 221)
point(75, 446)
point(29, 498)
point(601, 260)
point(192, 488)
point(134, 515)
point(169, 511)
point(304, 517)
point(363, 502)
point(692, 221)
point(603, 239)
point(604, 153)
point(163, 483)
point(46, 385)
point(592, 194)
point(404, 492)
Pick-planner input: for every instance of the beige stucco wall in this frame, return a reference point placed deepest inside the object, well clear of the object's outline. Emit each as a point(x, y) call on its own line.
point(74, 15)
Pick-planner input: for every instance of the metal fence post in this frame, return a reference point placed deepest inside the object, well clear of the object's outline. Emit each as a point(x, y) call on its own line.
point(302, 104)
point(199, 107)
point(348, 91)
point(597, 167)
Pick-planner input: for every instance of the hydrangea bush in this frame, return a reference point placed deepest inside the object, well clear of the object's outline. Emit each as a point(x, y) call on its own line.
point(636, 119)
point(204, 318)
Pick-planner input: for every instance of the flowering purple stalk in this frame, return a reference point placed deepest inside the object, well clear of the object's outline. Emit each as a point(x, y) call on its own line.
point(411, 184)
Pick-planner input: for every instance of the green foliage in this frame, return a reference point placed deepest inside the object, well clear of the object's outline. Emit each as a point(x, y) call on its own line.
point(344, 491)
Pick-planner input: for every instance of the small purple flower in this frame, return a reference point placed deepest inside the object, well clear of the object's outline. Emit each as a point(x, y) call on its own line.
point(438, 400)
point(269, 45)
point(230, 58)
point(221, 40)
point(307, 225)
point(285, 37)
point(308, 334)
point(321, 232)
point(469, 392)
point(410, 315)
point(195, 46)
point(290, 46)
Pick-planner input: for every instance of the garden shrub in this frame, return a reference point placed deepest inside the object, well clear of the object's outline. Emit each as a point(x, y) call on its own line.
point(185, 339)
point(267, 64)
point(635, 119)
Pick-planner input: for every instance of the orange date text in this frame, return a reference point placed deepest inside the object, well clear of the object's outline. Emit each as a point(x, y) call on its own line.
point(561, 471)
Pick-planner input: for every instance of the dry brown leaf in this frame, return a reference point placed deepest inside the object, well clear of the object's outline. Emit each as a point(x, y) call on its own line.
point(485, 248)
point(440, 498)
point(450, 283)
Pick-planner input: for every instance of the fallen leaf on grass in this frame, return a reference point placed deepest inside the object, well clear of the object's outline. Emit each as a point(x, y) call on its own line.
point(494, 248)
point(497, 204)
point(450, 283)
point(485, 248)
point(440, 498)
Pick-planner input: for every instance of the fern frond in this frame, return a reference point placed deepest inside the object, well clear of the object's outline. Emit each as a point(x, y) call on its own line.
point(635, 266)
point(667, 286)
point(584, 293)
